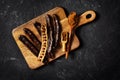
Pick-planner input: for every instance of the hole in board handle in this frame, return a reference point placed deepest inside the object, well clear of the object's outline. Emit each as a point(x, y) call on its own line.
point(88, 16)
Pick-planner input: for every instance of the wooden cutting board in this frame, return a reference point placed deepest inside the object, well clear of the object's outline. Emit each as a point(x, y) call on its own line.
point(30, 58)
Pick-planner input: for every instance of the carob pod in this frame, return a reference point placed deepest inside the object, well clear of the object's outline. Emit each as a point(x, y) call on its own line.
point(53, 31)
point(44, 46)
point(38, 27)
point(32, 36)
point(57, 30)
point(50, 36)
point(29, 45)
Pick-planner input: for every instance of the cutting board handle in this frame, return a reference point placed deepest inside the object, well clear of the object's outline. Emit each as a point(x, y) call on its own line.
point(87, 17)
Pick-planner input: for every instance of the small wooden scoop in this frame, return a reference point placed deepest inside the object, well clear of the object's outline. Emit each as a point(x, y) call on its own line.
point(64, 40)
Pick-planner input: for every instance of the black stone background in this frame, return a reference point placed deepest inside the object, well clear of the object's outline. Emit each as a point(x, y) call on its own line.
point(98, 57)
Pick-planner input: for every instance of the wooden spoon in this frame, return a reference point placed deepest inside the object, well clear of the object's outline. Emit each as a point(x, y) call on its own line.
point(73, 20)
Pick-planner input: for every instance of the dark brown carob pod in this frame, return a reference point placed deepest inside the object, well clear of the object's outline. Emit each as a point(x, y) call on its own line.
point(50, 36)
point(33, 38)
point(29, 45)
point(57, 30)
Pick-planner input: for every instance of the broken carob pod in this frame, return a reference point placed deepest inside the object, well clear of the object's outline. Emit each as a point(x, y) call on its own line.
point(38, 27)
point(33, 38)
point(29, 45)
point(50, 36)
point(57, 30)
point(44, 45)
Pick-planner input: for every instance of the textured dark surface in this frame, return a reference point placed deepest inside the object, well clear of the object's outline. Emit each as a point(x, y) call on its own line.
point(98, 57)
